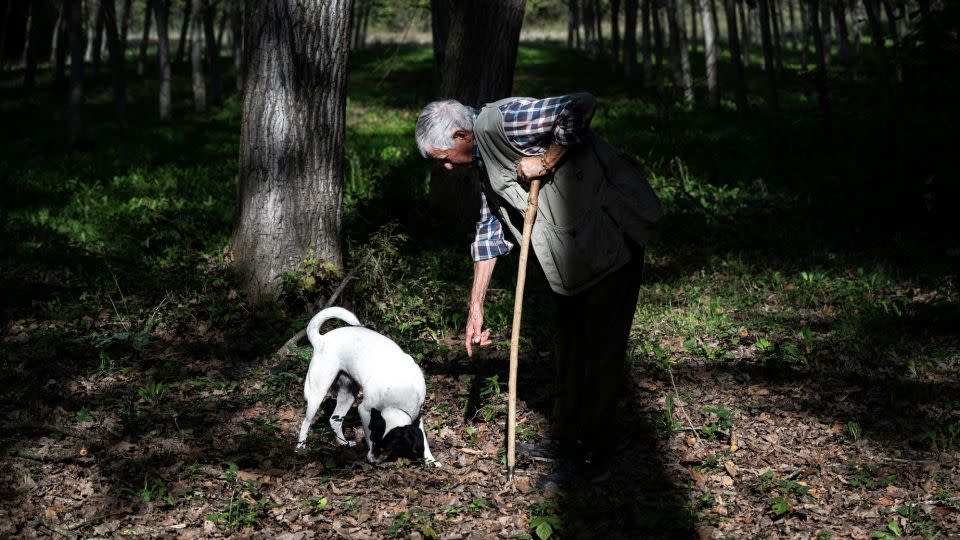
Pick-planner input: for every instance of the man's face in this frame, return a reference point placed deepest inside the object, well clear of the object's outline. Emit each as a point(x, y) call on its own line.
point(461, 153)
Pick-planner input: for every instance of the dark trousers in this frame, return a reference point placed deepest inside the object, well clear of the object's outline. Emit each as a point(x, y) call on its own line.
point(594, 327)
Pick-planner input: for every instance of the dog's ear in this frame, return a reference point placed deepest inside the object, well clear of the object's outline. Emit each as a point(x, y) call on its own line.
point(413, 439)
point(377, 428)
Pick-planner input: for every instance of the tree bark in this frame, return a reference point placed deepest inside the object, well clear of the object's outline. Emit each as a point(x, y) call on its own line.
point(145, 40)
point(199, 83)
point(74, 14)
point(839, 12)
point(876, 35)
point(221, 30)
point(645, 42)
point(630, 39)
point(95, 48)
point(745, 27)
point(125, 22)
point(116, 61)
point(739, 83)
point(776, 19)
point(598, 19)
point(30, 49)
point(615, 30)
point(61, 44)
point(823, 98)
point(825, 31)
point(805, 22)
point(573, 24)
point(586, 18)
point(292, 137)
point(793, 25)
point(768, 66)
point(162, 13)
point(188, 14)
point(710, 50)
point(658, 44)
point(213, 51)
point(440, 24)
point(4, 24)
point(692, 38)
point(679, 52)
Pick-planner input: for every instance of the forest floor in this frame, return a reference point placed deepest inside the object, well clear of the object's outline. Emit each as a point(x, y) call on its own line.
point(788, 377)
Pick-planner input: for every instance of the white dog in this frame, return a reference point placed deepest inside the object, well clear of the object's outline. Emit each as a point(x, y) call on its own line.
point(393, 388)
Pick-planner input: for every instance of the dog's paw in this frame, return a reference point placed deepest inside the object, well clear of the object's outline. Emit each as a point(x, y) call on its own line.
point(372, 459)
point(301, 448)
point(344, 442)
point(434, 463)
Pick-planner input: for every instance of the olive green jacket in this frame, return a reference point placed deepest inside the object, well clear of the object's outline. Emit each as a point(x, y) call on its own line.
point(585, 208)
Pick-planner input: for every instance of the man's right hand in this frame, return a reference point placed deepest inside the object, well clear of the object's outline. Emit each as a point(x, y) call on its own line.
point(475, 334)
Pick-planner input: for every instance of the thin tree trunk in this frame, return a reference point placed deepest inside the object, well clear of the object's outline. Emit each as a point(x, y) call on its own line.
point(213, 52)
point(588, 28)
point(693, 24)
point(196, 58)
point(876, 35)
point(823, 97)
point(658, 44)
point(292, 139)
point(97, 47)
point(768, 66)
point(805, 22)
point(793, 26)
point(826, 31)
point(839, 12)
point(116, 61)
point(630, 39)
point(162, 13)
point(739, 86)
point(93, 26)
point(125, 22)
point(857, 14)
point(776, 17)
point(645, 42)
point(30, 49)
point(745, 27)
point(615, 30)
point(3, 32)
point(222, 29)
point(236, 29)
point(897, 27)
point(188, 13)
point(598, 19)
point(61, 44)
point(145, 40)
point(573, 24)
point(679, 53)
point(710, 49)
point(74, 14)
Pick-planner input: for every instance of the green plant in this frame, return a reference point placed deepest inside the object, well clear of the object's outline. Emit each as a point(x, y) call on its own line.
point(317, 504)
point(722, 420)
point(478, 504)
point(892, 531)
point(668, 422)
point(246, 505)
point(152, 393)
point(853, 428)
point(490, 395)
point(544, 519)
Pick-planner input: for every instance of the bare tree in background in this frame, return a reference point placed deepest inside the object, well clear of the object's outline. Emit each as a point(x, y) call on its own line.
point(236, 30)
point(658, 43)
point(73, 11)
point(768, 67)
point(117, 61)
point(162, 13)
point(145, 39)
point(777, 37)
point(188, 15)
point(745, 31)
point(615, 30)
point(292, 139)
point(739, 84)
point(125, 22)
point(710, 50)
point(679, 52)
point(573, 24)
point(840, 13)
point(645, 39)
point(630, 39)
point(195, 21)
point(823, 98)
point(30, 48)
point(213, 51)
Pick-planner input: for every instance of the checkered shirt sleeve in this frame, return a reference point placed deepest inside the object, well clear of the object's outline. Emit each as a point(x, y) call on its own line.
point(489, 241)
point(532, 124)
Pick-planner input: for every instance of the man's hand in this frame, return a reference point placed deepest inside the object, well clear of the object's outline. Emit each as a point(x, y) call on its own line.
point(476, 336)
point(531, 168)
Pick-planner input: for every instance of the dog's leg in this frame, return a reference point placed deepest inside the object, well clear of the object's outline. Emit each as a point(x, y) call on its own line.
point(314, 390)
point(365, 420)
point(345, 399)
point(427, 456)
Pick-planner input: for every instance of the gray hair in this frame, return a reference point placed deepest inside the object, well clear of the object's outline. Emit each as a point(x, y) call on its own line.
point(437, 123)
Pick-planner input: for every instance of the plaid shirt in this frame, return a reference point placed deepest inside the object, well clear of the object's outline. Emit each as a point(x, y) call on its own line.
point(530, 125)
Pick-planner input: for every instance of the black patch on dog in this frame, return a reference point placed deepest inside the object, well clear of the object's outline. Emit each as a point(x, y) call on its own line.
point(399, 442)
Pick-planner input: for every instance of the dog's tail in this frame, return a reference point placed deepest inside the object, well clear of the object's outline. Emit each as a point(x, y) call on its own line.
point(313, 328)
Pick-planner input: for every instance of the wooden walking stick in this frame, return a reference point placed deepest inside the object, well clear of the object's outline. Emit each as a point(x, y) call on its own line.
point(528, 219)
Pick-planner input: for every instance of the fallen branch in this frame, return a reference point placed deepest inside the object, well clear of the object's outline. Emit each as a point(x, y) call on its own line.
point(676, 394)
point(285, 348)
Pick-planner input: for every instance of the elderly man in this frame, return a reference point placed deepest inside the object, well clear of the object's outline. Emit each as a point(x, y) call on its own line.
point(596, 212)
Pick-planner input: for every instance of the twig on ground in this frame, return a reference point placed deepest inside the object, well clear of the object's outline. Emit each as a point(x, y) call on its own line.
point(285, 348)
point(683, 410)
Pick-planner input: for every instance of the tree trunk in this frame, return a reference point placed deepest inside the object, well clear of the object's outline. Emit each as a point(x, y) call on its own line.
point(588, 28)
point(440, 24)
point(839, 12)
point(894, 23)
point(645, 42)
point(598, 19)
point(236, 30)
point(61, 44)
point(162, 13)
point(805, 21)
point(777, 19)
point(876, 35)
point(481, 51)
point(823, 97)
point(125, 22)
point(292, 138)
point(739, 83)
point(116, 61)
point(145, 40)
point(679, 53)
point(573, 24)
point(745, 27)
point(4, 24)
point(188, 14)
point(658, 44)
point(692, 40)
point(793, 26)
point(630, 39)
point(213, 52)
point(856, 11)
point(615, 30)
point(30, 49)
point(768, 67)
point(74, 14)
point(221, 30)
point(825, 30)
point(95, 49)
point(710, 50)
point(195, 20)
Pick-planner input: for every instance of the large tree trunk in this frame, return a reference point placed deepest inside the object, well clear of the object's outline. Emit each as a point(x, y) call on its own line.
point(440, 24)
point(188, 14)
point(768, 67)
point(630, 39)
point(739, 83)
point(481, 51)
point(162, 13)
point(213, 51)
point(195, 20)
point(710, 49)
point(679, 52)
point(615, 30)
point(292, 137)
point(145, 40)
point(74, 14)
point(116, 61)
point(823, 98)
